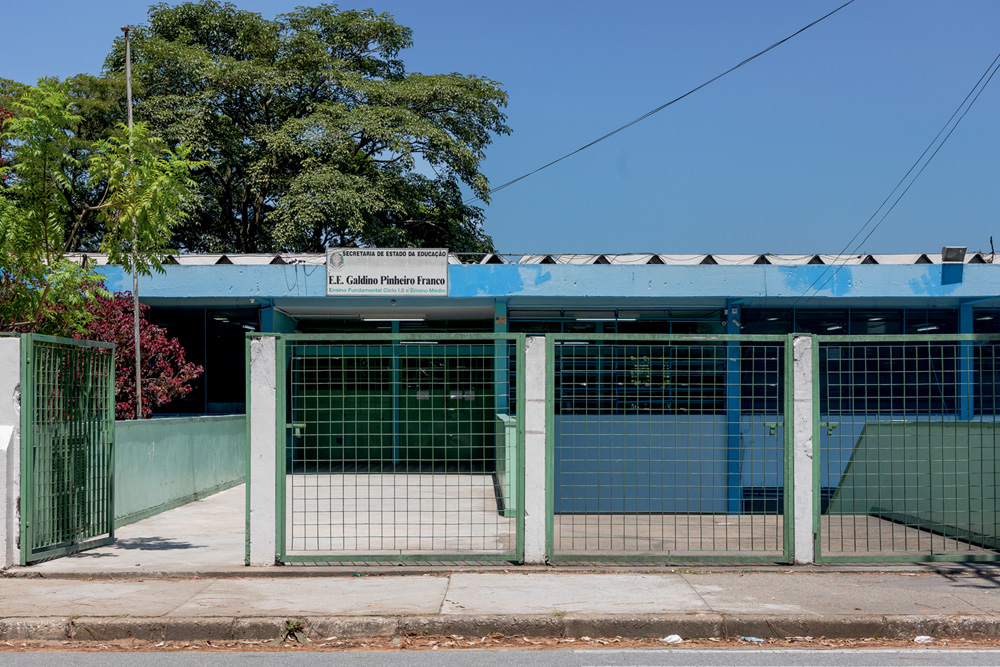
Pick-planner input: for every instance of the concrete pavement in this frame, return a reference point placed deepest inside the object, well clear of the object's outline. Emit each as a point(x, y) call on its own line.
point(180, 576)
point(708, 604)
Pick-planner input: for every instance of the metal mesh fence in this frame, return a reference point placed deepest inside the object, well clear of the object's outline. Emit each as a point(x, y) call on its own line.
point(402, 447)
point(908, 448)
point(67, 443)
point(667, 448)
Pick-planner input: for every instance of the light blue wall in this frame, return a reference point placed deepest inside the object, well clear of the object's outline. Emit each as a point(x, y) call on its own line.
point(164, 463)
point(657, 463)
point(927, 282)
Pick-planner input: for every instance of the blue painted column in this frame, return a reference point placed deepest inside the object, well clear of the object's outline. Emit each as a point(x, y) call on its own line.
point(501, 364)
point(733, 495)
point(966, 370)
point(273, 320)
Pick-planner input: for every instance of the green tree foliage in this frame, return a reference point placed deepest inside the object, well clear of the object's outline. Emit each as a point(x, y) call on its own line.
point(315, 133)
point(137, 185)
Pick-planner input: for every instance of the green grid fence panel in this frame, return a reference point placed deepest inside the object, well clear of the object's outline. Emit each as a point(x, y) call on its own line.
point(908, 448)
point(67, 430)
point(668, 448)
point(402, 447)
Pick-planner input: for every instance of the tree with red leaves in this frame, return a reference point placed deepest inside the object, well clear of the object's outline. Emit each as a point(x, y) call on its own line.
point(166, 373)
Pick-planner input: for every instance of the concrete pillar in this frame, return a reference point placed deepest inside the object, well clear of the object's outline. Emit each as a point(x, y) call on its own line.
point(802, 449)
point(262, 415)
point(10, 451)
point(535, 470)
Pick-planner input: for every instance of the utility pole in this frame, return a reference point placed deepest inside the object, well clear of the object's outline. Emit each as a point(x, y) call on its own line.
point(135, 237)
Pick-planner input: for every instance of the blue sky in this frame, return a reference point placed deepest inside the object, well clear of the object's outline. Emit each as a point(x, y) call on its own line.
point(790, 154)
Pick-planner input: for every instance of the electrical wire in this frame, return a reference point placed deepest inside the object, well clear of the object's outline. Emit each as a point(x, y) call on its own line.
point(960, 112)
point(659, 108)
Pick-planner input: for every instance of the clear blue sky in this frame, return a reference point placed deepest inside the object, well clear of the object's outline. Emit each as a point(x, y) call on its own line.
point(790, 154)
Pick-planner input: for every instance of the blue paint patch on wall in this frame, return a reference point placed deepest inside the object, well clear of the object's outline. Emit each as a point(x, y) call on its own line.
point(933, 282)
point(821, 279)
point(495, 279)
point(485, 280)
point(541, 277)
point(114, 278)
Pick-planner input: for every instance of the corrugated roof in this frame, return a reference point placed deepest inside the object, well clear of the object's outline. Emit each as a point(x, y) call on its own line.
point(612, 259)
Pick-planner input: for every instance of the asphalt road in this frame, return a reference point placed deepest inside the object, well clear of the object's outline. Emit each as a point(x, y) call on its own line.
point(523, 658)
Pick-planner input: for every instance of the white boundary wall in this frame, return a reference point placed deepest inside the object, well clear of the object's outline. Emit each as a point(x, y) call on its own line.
point(262, 477)
point(534, 451)
point(802, 449)
point(10, 451)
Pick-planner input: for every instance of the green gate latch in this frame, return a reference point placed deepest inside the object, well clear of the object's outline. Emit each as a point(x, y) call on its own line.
point(829, 426)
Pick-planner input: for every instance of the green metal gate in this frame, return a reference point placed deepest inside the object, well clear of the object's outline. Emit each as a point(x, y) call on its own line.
point(67, 446)
point(666, 448)
point(401, 447)
point(909, 448)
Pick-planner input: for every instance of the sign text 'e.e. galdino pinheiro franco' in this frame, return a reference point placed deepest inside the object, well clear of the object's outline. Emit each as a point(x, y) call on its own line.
point(387, 272)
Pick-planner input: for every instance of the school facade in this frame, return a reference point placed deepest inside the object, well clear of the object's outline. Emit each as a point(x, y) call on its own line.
point(665, 400)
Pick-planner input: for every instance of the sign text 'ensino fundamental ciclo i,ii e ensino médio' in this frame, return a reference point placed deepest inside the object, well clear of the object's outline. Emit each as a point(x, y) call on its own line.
point(387, 272)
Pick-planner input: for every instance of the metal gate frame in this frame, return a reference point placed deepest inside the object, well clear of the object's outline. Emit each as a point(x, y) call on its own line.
point(87, 502)
point(515, 340)
point(901, 339)
point(788, 524)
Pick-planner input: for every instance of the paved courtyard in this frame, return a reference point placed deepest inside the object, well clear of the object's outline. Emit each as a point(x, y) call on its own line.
point(389, 515)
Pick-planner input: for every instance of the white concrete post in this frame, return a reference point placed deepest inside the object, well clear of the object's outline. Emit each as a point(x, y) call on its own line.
point(534, 451)
point(10, 451)
point(802, 448)
point(262, 413)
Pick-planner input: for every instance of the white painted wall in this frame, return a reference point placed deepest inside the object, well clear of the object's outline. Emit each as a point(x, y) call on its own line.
point(262, 474)
point(10, 450)
point(534, 451)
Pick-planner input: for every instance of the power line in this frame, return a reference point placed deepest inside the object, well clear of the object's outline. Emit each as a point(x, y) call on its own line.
point(960, 112)
point(662, 106)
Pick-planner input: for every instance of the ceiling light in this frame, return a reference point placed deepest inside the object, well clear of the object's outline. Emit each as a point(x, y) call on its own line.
point(393, 319)
point(605, 319)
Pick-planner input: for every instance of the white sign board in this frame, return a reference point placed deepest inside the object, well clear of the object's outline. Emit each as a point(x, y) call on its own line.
point(387, 272)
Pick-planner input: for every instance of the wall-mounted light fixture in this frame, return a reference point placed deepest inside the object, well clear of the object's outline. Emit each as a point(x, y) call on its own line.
point(953, 254)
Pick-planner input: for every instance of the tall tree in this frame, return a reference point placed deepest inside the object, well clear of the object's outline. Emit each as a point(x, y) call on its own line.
point(139, 185)
point(315, 132)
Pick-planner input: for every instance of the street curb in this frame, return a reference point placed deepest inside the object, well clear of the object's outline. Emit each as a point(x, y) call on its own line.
point(689, 626)
point(305, 572)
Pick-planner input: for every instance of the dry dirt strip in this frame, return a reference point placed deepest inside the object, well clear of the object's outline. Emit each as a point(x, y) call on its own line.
point(575, 626)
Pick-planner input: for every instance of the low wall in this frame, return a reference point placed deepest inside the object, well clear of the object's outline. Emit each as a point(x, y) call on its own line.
point(507, 465)
point(661, 463)
point(164, 463)
point(937, 476)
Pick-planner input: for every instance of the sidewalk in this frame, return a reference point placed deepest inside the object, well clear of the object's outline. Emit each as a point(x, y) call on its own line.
point(163, 586)
point(714, 604)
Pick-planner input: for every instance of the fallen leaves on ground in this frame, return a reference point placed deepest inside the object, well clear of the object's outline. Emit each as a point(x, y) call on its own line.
point(458, 642)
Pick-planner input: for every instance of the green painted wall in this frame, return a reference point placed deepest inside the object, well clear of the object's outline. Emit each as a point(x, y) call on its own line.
point(436, 425)
point(164, 463)
point(941, 476)
point(507, 465)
